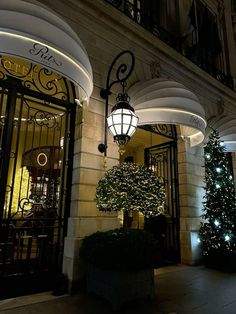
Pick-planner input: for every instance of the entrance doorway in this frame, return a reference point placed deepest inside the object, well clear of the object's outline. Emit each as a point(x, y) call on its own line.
point(156, 146)
point(163, 160)
point(36, 145)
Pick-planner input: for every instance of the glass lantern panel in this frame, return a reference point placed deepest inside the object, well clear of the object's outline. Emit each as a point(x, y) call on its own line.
point(131, 130)
point(125, 128)
point(109, 121)
point(117, 111)
point(116, 118)
point(127, 119)
point(112, 130)
point(135, 120)
point(118, 129)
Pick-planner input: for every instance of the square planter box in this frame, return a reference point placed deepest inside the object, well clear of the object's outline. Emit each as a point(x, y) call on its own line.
point(224, 261)
point(119, 287)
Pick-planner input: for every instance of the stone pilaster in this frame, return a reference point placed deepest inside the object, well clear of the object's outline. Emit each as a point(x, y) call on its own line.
point(88, 167)
point(191, 174)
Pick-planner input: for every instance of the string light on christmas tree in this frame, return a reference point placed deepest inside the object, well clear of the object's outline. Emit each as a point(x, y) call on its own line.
point(217, 232)
point(227, 238)
point(198, 240)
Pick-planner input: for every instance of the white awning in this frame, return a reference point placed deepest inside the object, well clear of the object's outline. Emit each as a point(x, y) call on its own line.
point(227, 132)
point(36, 33)
point(167, 102)
point(226, 126)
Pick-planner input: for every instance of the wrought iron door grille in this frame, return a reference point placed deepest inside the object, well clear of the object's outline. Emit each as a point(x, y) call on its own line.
point(162, 159)
point(34, 150)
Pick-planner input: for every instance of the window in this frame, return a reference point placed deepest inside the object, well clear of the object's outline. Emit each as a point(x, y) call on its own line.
point(202, 44)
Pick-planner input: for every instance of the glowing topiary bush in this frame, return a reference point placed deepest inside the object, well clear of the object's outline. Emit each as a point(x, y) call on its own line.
point(128, 187)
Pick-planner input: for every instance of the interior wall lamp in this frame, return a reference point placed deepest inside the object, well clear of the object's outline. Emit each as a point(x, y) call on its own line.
point(122, 121)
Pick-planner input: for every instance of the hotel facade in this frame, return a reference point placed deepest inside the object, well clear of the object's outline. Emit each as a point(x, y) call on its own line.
point(55, 56)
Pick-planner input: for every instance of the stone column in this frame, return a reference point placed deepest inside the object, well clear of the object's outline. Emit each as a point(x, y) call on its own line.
point(88, 168)
point(191, 175)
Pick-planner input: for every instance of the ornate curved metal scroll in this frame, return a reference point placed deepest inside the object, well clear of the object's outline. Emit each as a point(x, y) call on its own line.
point(166, 130)
point(122, 73)
point(44, 82)
point(36, 78)
point(43, 118)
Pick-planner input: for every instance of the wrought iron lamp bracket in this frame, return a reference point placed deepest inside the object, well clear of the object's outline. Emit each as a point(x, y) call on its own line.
point(123, 72)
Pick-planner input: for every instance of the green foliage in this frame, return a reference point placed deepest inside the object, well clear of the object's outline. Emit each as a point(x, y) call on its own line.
point(122, 250)
point(218, 231)
point(129, 186)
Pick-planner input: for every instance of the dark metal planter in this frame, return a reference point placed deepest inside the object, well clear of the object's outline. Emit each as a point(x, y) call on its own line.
point(224, 261)
point(119, 287)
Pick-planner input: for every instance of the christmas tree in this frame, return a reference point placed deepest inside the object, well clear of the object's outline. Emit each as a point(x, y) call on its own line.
point(217, 232)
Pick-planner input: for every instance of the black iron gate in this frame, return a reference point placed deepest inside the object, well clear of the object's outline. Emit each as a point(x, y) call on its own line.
point(163, 160)
point(36, 141)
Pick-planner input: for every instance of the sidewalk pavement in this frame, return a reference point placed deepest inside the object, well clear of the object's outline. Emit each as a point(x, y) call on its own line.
point(179, 290)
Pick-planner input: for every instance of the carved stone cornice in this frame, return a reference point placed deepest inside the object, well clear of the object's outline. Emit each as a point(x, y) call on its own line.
point(155, 69)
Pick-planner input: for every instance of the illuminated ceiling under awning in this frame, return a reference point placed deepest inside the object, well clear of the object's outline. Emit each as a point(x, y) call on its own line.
point(168, 102)
point(35, 33)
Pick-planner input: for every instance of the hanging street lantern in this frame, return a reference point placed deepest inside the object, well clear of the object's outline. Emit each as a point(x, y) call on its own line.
point(122, 121)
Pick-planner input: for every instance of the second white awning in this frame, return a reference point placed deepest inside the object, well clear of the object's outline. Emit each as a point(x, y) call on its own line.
point(168, 102)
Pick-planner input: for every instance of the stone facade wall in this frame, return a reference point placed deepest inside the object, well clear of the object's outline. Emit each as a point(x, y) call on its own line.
point(105, 32)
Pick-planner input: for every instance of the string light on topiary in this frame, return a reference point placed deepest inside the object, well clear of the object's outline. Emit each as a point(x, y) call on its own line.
point(230, 177)
point(218, 170)
point(217, 185)
point(217, 223)
point(208, 156)
point(198, 240)
point(130, 187)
